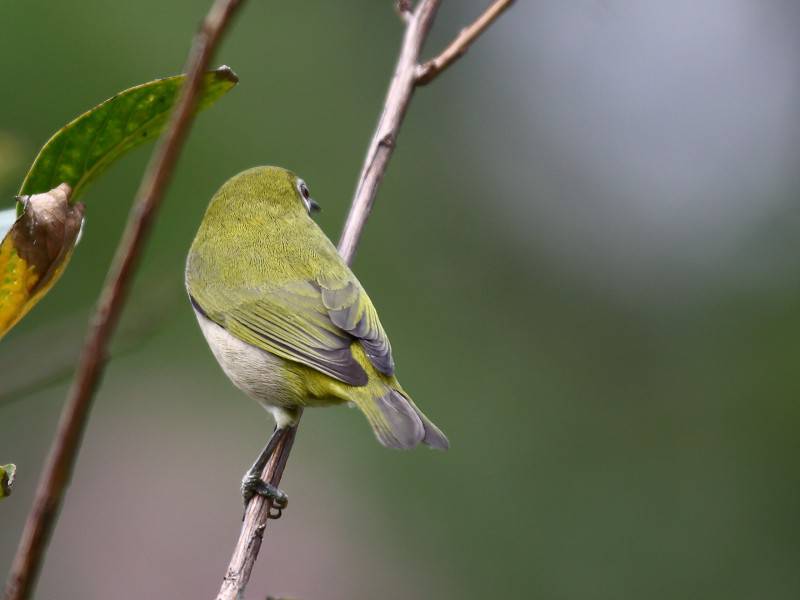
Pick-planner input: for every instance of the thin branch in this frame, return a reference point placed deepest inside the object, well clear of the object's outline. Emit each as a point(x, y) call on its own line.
point(60, 462)
point(247, 546)
point(401, 89)
point(398, 97)
point(459, 46)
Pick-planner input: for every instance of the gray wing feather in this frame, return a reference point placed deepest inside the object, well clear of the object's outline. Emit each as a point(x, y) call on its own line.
point(350, 309)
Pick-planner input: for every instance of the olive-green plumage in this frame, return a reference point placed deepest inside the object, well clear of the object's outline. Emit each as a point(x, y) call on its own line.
point(286, 318)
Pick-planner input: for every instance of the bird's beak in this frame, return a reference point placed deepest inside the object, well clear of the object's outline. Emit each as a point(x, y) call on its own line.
point(313, 207)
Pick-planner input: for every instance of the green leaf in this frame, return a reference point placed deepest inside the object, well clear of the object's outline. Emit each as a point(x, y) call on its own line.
point(87, 146)
point(7, 473)
point(37, 247)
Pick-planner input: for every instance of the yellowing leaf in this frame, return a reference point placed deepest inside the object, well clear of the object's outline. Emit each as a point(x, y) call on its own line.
point(35, 251)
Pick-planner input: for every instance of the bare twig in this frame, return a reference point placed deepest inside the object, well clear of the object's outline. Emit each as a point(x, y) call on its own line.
point(405, 79)
point(255, 522)
point(61, 460)
point(459, 46)
point(383, 140)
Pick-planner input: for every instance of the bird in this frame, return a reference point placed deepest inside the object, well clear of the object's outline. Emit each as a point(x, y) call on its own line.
point(288, 321)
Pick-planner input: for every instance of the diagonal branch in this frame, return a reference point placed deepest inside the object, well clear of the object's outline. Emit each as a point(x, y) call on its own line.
point(256, 515)
point(60, 462)
point(401, 89)
point(459, 46)
point(405, 79)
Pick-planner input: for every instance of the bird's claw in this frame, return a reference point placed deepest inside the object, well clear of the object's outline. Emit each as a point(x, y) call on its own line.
point(253, 485)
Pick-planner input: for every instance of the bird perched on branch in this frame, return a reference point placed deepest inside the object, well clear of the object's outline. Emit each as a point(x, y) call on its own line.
point(286, 318)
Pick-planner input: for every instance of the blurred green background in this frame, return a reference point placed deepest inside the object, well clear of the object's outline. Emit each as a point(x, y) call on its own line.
point(585, 252)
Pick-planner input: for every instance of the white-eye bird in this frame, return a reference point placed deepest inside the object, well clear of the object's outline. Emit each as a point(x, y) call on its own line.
point(286, 318)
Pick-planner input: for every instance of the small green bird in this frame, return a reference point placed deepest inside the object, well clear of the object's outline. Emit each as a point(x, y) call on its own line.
point(287, 320)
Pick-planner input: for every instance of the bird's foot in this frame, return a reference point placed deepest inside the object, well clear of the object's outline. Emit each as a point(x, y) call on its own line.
point(253, 485)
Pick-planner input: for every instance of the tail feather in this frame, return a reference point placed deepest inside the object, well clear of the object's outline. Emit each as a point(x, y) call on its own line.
point(434, 437)
point(398, 423)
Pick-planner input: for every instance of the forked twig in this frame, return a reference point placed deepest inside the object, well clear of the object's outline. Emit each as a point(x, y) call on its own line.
point(431, 69)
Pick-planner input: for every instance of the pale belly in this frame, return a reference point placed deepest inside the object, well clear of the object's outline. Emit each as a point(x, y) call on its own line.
point(256, 372)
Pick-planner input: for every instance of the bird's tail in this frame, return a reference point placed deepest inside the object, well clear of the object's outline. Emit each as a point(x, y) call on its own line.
point(398, 423)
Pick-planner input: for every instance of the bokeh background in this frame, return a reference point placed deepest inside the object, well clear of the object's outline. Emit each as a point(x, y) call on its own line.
point(585, 251)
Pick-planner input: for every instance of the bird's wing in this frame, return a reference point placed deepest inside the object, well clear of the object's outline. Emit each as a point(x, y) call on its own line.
point(309, 322)
point(351, 310)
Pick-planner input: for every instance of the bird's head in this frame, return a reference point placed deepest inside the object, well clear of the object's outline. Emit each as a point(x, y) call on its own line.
point(262, 192)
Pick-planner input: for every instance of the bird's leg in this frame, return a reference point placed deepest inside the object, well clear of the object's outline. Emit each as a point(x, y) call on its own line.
point(252, 483)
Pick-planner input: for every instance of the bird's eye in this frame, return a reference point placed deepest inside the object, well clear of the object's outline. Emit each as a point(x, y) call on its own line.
point(311, 206)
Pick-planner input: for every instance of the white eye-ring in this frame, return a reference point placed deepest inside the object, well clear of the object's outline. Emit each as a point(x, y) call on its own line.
point(311, 205)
